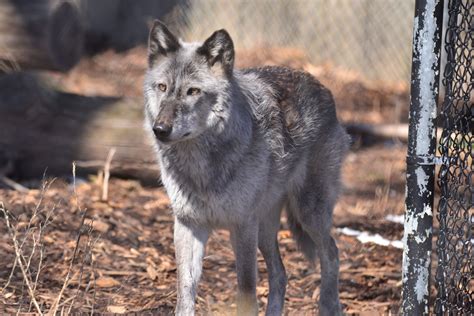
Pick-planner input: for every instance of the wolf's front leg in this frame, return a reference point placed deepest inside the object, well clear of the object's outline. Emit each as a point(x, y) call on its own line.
point(190, 244)
point(244, 241)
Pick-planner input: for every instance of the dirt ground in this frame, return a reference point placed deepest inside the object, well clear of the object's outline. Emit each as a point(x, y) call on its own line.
point(82, 254)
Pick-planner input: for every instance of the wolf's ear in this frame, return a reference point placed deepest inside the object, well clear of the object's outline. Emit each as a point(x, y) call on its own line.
point(218, 49)
point(160, 42)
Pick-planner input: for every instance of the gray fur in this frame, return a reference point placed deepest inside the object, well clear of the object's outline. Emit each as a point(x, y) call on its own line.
point(249, 143)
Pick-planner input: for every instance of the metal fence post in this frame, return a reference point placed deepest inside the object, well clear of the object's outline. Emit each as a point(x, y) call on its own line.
point(417, 238)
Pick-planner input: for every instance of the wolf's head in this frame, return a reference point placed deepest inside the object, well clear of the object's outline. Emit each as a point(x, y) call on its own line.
point(186, 83)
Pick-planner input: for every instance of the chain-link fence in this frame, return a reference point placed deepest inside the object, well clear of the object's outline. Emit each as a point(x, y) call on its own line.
point(454, 276)
point(370, 37)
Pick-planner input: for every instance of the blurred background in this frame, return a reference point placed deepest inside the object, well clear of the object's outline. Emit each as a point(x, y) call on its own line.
point(71, 90)
point(369, 37)
point(88, 52)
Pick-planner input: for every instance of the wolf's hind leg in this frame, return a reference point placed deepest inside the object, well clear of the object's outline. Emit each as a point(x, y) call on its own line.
point(268, 245)
point(329, 262)
point(312, 207)
point(190, 243)
point(244, 242)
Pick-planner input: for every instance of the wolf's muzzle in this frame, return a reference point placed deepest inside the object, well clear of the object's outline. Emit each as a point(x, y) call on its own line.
point(162, 131)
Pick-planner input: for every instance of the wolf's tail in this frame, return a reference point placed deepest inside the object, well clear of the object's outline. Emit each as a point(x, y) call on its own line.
point(303, 239)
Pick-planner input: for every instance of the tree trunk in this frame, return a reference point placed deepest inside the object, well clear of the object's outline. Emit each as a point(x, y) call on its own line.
point(41, 130)
point(39, 34)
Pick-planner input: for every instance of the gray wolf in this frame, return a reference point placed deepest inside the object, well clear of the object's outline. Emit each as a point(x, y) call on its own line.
point(235, 147)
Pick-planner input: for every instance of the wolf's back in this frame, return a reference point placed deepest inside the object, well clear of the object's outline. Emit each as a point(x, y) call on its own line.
point(300, 116)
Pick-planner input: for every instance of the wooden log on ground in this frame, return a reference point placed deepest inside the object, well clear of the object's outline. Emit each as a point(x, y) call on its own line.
point(382, 131)
point(39, 34)
point(47, 130)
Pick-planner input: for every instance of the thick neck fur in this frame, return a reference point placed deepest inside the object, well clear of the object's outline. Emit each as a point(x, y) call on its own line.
point(210, 160)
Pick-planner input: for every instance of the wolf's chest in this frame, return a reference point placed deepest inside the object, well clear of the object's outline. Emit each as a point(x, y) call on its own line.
point(216, 205)
point(216, 208)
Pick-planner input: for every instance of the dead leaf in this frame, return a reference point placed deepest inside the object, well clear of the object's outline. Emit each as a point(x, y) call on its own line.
point(151, 272)
point(48, 239)
point(100, 226)
point(105, 282)
point(116, 309)
point(148, 293)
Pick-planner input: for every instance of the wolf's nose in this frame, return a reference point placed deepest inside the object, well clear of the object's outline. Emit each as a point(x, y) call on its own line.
point(162, 131)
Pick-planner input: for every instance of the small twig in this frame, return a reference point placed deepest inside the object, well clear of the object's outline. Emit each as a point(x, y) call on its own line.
point(44, 187)
point(39, 269)
point(40, 238)
point(9, 277)
point(74, 185)
point(93, 276)
point(18, 254)
point(33, 250)
point(105, 184)
point(63, 305)
point(87, 249)
point(55, 306)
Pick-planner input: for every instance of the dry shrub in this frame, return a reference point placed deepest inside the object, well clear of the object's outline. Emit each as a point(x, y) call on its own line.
point(30, 285)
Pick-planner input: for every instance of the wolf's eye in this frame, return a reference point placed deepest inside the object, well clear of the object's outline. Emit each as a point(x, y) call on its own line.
point(162, 87)
point(194, 91)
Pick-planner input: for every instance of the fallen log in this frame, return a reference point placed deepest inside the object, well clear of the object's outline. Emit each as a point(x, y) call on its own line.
point(40, 34)
point(382, 131)
point(43, 130)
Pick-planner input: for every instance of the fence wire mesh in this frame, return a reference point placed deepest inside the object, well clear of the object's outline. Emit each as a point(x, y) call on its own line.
point(454, 276)
point(370, 37)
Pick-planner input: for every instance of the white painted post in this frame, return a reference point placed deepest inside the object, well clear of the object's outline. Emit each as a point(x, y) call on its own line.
point(420, 158)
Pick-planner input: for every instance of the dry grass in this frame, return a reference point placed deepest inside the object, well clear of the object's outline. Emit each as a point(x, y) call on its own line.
point(26, 235)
